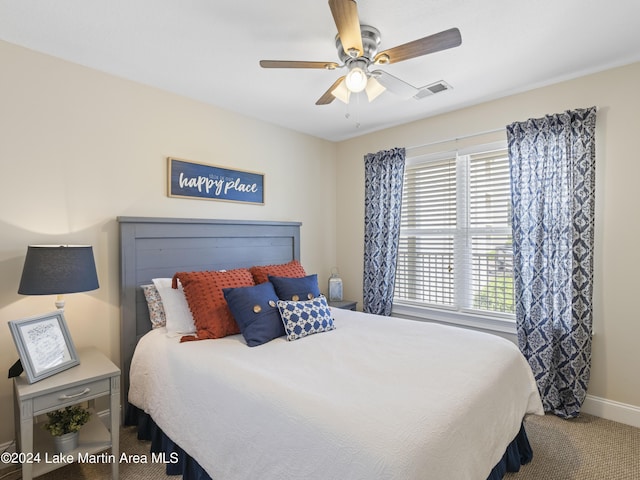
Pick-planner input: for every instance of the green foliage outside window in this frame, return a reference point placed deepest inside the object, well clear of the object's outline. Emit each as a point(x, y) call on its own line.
point(496, 296)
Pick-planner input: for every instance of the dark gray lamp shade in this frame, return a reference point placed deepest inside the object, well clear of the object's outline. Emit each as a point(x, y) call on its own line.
point(58, 269)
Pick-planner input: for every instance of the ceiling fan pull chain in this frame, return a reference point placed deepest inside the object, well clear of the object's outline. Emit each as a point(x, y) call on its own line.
point(356, 104)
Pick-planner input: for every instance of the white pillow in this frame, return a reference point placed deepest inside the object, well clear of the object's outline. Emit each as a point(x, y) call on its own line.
point(176, 310)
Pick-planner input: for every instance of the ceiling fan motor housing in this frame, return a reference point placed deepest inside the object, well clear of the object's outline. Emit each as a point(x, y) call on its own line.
point(370, 44)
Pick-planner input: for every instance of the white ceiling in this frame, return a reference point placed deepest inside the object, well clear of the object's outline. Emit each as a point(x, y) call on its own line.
point(209, 50)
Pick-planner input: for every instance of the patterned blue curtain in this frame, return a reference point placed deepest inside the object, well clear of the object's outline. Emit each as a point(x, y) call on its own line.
point(384, 176)
point(553, 198)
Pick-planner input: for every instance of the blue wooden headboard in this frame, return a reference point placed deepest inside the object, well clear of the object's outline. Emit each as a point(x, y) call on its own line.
point(159, 247)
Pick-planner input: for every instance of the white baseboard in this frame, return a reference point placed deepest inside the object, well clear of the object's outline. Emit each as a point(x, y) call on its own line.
point(612, 410)
point(105, 416)
point(8, 447)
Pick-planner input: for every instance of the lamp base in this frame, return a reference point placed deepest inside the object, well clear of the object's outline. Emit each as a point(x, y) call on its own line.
point(16, 369)
point(60, 302)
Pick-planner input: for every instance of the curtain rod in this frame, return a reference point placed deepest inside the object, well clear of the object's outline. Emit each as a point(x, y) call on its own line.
point(453, 139)
point(471, 135)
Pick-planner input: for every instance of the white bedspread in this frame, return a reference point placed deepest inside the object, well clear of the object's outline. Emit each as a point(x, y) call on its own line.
point(377, 398)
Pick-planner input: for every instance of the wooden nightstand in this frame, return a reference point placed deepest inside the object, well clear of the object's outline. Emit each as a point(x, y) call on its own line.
point(344, 304)
point(96, 376)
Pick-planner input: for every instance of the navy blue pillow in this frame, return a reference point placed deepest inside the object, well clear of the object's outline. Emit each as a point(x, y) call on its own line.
point(255, 309)
point(302, 288)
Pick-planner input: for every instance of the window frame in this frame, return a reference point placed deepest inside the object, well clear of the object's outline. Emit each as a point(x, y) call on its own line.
point(458, 314)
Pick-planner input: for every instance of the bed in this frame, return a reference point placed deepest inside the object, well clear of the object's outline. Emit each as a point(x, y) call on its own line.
point(374, 398)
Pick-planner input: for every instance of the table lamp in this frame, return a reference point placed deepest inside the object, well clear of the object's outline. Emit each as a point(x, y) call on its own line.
point(56, 270)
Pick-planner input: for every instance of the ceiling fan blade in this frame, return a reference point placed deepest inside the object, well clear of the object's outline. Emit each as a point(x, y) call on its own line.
point(345, 15)
point(394, 84)
point(327, 97)
point(423, 46)
point(295, 64)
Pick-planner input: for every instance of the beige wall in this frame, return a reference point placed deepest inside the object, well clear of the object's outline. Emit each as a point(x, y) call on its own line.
point(616, 355)
point(79, 148)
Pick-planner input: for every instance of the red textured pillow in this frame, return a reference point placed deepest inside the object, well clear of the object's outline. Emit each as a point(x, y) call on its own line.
point(203, 291)
point(293, 269)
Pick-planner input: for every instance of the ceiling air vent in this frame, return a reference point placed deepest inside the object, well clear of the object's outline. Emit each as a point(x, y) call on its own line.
point(432, 89)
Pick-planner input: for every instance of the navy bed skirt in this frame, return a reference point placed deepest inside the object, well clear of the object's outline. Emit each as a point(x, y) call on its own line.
point(518, 452)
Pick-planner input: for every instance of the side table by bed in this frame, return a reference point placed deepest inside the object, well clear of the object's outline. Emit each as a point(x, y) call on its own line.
point(344, 304)
point(96, 376)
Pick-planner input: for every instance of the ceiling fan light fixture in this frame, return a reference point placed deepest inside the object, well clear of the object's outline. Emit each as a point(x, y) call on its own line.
point(341, 92)
point(374, 89)
point(356, 80)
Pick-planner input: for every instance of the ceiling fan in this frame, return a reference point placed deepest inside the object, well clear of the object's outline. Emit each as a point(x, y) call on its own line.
point(358, 50)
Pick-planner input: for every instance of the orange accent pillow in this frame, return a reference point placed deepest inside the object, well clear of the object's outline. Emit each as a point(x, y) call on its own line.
point(293, 269)
point(203, 291)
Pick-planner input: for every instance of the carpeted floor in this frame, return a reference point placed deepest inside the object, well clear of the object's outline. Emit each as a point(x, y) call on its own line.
point(588, 448)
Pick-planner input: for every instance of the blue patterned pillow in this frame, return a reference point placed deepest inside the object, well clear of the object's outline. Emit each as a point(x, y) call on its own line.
point(303, 288)
point(304, 318)
point(256, 312)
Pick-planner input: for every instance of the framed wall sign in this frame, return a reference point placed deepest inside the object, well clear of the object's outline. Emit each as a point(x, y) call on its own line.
point(189, 179)
point(44, 345)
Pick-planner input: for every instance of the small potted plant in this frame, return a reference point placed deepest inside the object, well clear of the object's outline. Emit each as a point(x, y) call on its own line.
point(64, 425)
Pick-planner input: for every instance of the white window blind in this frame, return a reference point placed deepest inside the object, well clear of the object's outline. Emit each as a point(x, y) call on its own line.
point(455, 235)
point(427, 227)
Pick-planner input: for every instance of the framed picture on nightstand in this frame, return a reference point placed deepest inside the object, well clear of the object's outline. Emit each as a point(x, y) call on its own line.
point(44, 345)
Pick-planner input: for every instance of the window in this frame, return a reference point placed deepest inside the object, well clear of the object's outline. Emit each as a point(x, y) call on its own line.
point(455, 236)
